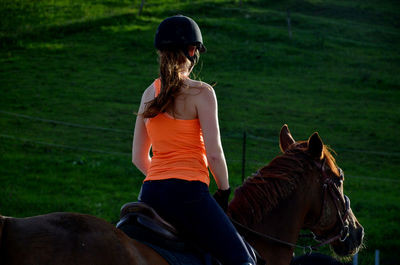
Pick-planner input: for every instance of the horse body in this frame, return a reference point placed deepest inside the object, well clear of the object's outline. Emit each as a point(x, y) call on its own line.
point(69, 238)
point(300, 189)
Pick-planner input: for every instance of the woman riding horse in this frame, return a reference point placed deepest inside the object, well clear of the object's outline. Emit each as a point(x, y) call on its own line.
point(178, 119)
point(300, 189)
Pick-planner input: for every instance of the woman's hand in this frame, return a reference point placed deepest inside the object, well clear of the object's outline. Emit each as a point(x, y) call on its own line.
point(222, 198)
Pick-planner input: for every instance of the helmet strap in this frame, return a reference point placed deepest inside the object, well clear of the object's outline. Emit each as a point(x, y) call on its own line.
point(192, 56)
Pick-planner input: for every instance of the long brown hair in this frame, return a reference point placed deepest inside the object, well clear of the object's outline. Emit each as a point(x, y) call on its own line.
point(171, 62)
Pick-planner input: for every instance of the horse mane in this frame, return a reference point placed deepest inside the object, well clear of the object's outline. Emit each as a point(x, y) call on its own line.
point(264, 190)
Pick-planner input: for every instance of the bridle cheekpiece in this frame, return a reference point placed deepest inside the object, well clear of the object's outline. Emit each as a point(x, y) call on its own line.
point(342, 203)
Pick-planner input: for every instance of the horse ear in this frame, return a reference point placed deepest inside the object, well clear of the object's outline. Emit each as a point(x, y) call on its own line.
point(315, 146)
point(285, 138)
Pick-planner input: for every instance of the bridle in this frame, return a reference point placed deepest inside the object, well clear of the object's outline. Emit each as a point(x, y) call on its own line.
point(330, 188)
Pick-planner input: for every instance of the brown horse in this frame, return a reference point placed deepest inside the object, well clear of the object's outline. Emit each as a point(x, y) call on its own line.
point(69, 238)
point(302, 188)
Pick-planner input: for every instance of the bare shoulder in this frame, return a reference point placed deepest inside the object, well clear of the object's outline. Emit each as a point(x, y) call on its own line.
point(205, 97)
point(200, 88)
point(148, 95)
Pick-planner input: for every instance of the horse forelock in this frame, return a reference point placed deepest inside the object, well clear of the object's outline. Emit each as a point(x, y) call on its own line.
point(273, 183)
point(326, 154)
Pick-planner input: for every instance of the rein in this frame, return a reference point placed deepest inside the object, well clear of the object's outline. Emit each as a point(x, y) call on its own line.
point(307, 249)
point(330, 188)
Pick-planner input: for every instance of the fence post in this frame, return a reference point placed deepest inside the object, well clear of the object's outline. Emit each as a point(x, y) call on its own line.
point(377, 257)
point(355, 259)
point(289, 22)
point(141, 7)
point(244, 155)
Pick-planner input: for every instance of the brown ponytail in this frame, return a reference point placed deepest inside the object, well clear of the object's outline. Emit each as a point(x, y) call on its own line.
point(171, 63)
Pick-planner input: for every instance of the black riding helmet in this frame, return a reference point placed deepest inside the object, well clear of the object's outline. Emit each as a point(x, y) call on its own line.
point(178, 32)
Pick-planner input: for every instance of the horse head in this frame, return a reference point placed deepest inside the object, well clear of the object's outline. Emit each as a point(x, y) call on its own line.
point(329, 215)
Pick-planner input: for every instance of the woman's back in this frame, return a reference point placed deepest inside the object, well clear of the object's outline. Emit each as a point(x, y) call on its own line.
point(177, 142)
point(186, 101)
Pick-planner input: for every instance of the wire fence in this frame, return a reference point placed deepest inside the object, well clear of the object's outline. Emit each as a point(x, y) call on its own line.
point(244, 138)
point(250, 136)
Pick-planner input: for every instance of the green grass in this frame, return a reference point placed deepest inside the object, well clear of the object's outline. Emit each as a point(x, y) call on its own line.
point(87, 62)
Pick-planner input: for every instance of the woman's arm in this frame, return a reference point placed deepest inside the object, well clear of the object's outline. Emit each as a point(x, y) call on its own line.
point(141, 141)
point(207, 109)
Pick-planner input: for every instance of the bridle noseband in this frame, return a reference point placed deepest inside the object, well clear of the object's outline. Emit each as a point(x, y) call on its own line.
point(328, 188)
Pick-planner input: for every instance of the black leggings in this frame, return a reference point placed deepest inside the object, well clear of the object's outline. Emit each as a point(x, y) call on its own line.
point(189, 206)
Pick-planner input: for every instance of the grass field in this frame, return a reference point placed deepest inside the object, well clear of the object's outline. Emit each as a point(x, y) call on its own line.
point(72, 73)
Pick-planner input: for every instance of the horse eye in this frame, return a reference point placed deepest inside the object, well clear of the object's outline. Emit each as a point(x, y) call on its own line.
point(339, 182)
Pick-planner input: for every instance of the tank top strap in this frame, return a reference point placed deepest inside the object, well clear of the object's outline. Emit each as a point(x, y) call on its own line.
point(157, 87)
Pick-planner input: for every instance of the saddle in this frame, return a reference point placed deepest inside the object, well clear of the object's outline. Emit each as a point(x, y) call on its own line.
point(141, 222)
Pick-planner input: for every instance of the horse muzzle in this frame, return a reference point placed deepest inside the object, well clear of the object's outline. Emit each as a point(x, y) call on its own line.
point(350, 243)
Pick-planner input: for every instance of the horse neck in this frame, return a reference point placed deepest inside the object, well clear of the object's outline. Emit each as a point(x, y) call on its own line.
point(284, 222)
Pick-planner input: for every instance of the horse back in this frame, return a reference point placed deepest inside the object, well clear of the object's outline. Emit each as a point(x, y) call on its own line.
point(2, 221)
point(66, 238)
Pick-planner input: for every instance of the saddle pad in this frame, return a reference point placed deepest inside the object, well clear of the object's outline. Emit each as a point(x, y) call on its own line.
point(180, 258)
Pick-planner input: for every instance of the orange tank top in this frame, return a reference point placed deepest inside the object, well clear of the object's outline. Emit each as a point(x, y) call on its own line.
point(177, 146)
